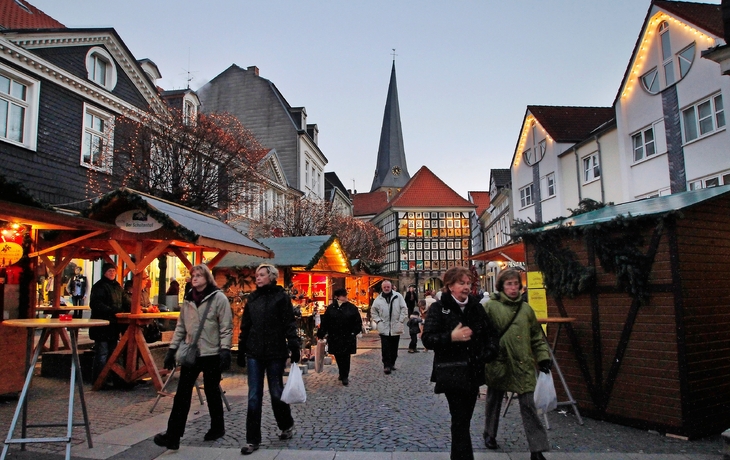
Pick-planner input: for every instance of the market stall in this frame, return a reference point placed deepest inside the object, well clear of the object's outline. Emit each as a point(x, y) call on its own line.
point(144, 228)
point(310, 267)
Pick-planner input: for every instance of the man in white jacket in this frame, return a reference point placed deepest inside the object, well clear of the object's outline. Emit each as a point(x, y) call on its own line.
point(390, 312)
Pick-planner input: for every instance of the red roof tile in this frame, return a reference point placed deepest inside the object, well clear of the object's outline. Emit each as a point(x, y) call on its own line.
point(25, 16)
point(425, 189)
point(368, 204)
point(481, 199)
point(570, 124)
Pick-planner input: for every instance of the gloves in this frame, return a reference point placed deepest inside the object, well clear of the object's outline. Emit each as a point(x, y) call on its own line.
point(295, 354)
point(545, 365)
point(225, 355)
point(170, 361)
point(241, 357)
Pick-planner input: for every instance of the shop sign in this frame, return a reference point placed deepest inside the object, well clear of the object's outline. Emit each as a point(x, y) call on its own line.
point(10, 253)
point(137, 221)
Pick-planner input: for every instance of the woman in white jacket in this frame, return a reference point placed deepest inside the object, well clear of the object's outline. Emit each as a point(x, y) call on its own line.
point(214, 355)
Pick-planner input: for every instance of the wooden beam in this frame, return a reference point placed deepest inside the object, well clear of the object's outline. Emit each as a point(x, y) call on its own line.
point(218, 257)
point(123, 253)
point(68, 243)
point(183, 257)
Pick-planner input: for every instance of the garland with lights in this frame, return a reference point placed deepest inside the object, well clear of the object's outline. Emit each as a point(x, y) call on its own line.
point(617, 245)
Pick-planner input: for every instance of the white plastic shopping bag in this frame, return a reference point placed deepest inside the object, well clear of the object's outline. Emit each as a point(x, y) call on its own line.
point(294, 392)
point(545, 397)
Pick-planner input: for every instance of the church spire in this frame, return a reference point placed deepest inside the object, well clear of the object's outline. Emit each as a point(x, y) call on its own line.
point(391, 170)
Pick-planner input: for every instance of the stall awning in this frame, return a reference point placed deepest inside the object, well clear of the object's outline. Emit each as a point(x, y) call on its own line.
point(321, 253)
point(508, 253)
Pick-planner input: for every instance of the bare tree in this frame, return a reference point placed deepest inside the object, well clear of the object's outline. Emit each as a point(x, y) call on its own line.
point(207, 164)
point(307, 217)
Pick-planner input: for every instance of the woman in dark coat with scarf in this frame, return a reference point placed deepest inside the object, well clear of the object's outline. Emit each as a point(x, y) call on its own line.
point(341, 323)
point(458, 330)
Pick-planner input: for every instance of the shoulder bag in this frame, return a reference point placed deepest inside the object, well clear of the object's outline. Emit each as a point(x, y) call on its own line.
point(187, 353)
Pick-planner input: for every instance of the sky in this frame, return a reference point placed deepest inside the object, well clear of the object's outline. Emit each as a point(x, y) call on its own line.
point(466, 70)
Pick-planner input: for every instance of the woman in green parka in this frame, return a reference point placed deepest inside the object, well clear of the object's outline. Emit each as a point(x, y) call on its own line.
point(521, 347)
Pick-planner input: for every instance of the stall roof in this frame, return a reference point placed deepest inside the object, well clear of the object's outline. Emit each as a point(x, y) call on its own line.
point(646, 207)
point(508, 253)
point(44, 219)
point(310, 253)
point(187, 224)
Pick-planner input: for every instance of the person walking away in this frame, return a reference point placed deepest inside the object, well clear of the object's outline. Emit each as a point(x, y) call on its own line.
point(268, 337)
point(207, 303)
point(429, 299)
point(77, 288)
point(414, 328)
point(411, 298)
point(459, 331)
point(520, 347)
point(106, 300)
point(341, 323)
point(389, 311)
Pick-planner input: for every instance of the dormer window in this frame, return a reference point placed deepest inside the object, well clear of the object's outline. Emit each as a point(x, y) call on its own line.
point(100, 68)
point(665, 75)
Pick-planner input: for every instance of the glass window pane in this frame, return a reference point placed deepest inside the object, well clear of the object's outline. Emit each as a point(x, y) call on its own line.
point(17, 123)
point(719, 112)
point(86, 152)
point(666, 46)
point(690, 124)
point(705, 116)
point(726, 179)
point(4, 84)
point(638, 147)
point(88, 119)
point(4, 118)
point(18, 90)
point(669, 72)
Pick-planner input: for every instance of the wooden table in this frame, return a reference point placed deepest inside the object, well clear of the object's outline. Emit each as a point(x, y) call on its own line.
point(135, 345)
point(551, 349)
point(59, 333)
point(46, 326)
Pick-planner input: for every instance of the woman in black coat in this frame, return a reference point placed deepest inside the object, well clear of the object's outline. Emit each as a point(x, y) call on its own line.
point(341, 323)
point(459, 331)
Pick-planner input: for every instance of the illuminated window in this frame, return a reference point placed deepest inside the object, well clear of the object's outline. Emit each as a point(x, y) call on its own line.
point(644, 145)
point(100, 68)
point(591, 168)
point(97, 144)
point(703, 118)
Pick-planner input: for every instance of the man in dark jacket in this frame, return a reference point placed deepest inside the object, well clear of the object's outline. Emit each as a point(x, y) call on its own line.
point(268, 337)
point(106, 300)
point(77, 288)
point(341, 323)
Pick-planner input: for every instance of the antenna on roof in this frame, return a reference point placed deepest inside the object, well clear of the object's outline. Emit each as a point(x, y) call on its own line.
point(393, 53)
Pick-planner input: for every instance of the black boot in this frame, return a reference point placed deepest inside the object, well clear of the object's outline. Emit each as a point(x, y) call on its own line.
point(537, 456)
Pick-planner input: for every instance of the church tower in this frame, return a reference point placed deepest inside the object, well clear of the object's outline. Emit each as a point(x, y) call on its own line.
point(391, 172)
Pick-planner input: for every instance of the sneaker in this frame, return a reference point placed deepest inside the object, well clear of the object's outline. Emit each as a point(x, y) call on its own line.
point(163, 440)
point(287, 434)
point(212, 434)
point(249, 449)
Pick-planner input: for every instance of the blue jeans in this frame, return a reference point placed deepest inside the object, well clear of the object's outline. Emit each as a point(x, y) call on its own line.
point(102, 350)
point(274, 370)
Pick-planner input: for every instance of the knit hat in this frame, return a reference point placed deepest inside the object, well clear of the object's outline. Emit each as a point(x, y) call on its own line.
point(107, 266)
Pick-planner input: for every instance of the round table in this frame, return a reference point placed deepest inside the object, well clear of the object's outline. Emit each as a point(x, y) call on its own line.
point(47, 325)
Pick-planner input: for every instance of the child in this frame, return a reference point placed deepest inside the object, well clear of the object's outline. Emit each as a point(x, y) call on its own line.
point(414, 327)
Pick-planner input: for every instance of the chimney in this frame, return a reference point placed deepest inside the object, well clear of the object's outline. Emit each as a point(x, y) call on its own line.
point(253, 69)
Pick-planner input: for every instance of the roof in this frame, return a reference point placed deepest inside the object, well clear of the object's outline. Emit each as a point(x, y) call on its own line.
point(310, 253)
point(501, 177)
point(425, 189)
point(481, 199)
point(514, 252)
point(331, 181)
point(646, 207)
point(19, 14)
point(369, 204)
point(570, 124)
point(703, 15)
point(187, 224)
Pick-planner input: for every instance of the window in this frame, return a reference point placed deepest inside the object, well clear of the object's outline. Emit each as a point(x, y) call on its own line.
point(711, 181)
point(550, 182)
point(644, 145)
point(703, 118)
point(100, 68)
point(685, 59)
point(591, 168)
point(18, 108)
point(189, 112)
point(314, 183)
point(97, 144)
point(666, 53)
point(670, 63)
point(526, 196)
point(306, 173)
point(650, 81)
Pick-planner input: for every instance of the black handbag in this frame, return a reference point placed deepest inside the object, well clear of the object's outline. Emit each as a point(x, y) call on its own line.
point(455, 375)
point(152, 332)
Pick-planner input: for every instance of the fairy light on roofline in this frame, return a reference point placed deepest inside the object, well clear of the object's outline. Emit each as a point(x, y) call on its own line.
point(644, 47)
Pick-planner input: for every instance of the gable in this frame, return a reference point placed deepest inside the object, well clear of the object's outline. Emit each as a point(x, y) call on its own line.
point(425, 189)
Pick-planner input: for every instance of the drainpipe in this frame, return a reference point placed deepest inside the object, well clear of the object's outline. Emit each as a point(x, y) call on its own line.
point(577, 174)
point(600, 165)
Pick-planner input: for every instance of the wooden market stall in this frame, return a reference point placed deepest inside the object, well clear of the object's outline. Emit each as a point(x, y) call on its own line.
point(31, 231)
point(145, 228)
point(647, 283)
point(310, 267)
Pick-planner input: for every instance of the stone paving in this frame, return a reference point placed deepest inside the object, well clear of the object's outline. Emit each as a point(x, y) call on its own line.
point(375, 413)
